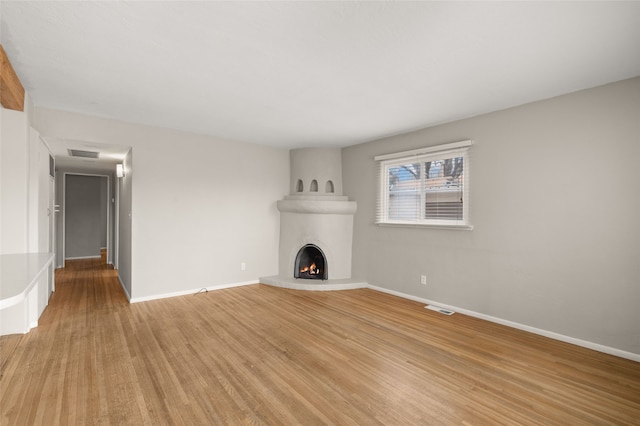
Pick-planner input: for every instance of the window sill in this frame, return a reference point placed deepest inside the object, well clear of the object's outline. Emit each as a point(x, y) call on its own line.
point(426, 225)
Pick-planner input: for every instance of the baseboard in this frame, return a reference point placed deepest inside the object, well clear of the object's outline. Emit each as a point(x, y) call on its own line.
point(550, 334)
point(192, 291)
point(82, 258)
point(556, 336)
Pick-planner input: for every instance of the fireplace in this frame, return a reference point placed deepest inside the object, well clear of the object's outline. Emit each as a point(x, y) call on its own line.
point(310, 264)
point(319, 218)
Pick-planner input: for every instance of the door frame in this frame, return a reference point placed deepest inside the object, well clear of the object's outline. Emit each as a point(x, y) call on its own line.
point(64, 212)
point(116, 224)
point(52, 227)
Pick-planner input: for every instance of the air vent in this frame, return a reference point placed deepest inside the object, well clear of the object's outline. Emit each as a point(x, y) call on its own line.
point(83, 154)
point(439, 309)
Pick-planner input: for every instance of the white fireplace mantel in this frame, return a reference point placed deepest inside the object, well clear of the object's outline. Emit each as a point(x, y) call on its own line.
point(315, 206)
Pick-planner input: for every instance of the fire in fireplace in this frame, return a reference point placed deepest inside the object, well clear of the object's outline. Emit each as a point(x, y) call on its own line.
point(310, 263)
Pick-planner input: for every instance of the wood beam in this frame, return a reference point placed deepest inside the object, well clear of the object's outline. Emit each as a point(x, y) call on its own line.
point(11, 90)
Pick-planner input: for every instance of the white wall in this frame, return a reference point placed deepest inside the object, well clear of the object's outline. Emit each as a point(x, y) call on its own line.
point(555, 202)
point(14, 174)
point(23, 199)
point(123, 218)
point(200, 205)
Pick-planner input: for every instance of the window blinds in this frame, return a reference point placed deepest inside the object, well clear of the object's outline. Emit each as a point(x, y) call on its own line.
point(427, 186)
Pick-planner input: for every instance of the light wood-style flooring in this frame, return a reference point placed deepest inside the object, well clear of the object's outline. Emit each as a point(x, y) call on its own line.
point(263, 355)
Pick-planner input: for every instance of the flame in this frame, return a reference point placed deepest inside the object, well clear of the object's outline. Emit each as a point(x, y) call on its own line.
point(311, 269)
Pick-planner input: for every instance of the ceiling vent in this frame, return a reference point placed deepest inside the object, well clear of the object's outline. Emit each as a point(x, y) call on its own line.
point(83, 154)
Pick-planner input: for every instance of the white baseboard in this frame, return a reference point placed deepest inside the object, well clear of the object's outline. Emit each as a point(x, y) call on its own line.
point(556, 336)
point(550, 334)
point(192, 291)
point(82, 258)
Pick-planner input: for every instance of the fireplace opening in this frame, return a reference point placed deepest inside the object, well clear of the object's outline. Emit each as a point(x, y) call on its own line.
point(310, 264)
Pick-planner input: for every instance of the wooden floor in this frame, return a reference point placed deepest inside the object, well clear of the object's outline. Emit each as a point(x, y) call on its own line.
point(265, 355)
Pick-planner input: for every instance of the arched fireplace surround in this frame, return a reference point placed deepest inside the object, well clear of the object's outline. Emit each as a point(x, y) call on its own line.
point(316, 213)
point(311, 263)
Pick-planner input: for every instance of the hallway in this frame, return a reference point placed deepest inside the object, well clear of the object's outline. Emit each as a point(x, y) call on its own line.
point(51, 372)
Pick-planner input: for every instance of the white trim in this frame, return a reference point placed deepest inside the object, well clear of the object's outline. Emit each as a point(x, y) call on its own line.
point(64, 212)
point(425, 150)
point(116, 224)
point(460, 227)
point(82, 257)
point(192, 291)
point(550, 334)
point(440, 152)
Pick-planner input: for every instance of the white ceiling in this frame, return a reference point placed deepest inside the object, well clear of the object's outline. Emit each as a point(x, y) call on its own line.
point(294, 74)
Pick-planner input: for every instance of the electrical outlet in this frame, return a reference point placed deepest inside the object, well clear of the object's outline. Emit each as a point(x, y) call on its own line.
point(423, 279)
point(243, 266)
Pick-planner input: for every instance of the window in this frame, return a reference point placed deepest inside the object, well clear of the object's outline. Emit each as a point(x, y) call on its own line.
point(428, 186)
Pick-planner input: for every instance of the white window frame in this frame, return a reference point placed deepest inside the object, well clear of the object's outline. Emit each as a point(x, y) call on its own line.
point(459, 149)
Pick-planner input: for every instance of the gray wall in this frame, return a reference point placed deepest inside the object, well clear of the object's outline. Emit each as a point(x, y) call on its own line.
point(555, 205)
point(85, 215)
point(104, 216)
point(200, 205)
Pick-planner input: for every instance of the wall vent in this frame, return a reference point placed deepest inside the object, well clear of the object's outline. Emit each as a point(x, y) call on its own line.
point(439, 309)
point(83, 154)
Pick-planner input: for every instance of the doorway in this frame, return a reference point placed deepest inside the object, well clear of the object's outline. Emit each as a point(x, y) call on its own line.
point(87, 216)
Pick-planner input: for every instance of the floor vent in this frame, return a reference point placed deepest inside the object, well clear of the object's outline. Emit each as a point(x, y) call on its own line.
point(83, 154)
point(439, 309)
